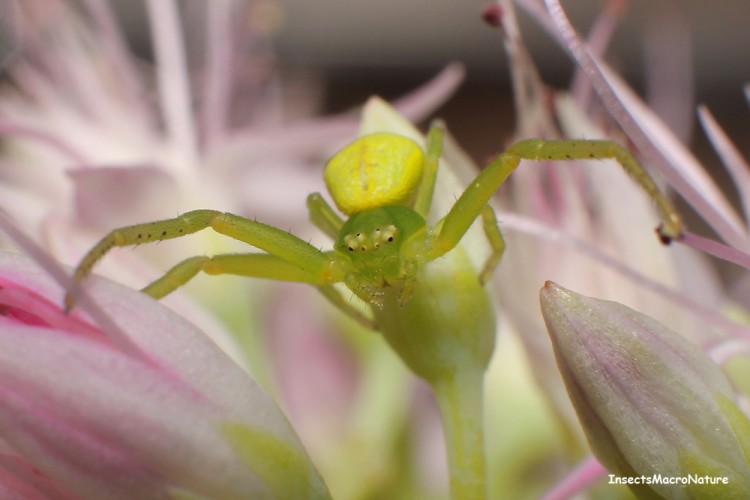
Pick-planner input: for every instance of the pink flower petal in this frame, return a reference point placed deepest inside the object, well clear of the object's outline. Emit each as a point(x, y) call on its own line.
point(108, 197)
point(103, 422)
point(20, 480)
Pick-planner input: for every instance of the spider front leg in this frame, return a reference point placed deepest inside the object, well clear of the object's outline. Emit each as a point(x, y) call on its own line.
point(253, 265)
point(290, 256)
point(471, 203)
point(491, 232)
point(496, 241)
point(323, 216)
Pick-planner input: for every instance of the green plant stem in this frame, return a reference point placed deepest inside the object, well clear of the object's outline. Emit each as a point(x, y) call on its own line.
point(461, 400)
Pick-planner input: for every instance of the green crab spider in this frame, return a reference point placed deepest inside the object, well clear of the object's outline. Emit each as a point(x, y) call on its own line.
point(384, 183)
point(420, 289)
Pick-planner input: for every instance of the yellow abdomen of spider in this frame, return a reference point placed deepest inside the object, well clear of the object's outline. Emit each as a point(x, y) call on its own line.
point(376, 170)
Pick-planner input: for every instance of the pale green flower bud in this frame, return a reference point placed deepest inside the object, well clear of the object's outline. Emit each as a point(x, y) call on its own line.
point(654, 407)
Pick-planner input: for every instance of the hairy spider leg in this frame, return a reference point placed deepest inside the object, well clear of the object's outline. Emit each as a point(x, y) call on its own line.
point(496, 240)
point(472, 201)
point(255, 265)
point(323, 216)
point(424, 201)
point(342, 304)
point(288, 251)
point(426, 188)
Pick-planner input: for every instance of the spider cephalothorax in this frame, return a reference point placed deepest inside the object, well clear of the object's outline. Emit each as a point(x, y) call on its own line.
point(378, 242)
point(377, 233)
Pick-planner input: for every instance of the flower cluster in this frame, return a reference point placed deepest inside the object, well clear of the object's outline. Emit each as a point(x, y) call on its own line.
point(126, 399)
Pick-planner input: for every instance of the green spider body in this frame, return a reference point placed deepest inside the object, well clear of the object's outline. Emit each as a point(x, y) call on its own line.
point(378, 244)
point(377, 233)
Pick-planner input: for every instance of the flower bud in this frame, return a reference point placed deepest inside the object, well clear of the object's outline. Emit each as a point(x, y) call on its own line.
point(655, 409)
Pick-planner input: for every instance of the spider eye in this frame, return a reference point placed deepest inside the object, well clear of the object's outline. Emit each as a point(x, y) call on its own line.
point(390, 239)
point(351, 249)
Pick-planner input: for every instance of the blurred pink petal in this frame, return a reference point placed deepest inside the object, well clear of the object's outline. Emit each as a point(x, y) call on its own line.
point(19, 480)
point(735, 164)
point(109, 197)
point(655, 141)
point(109, 425)
point(316, 372)
point(586, 474)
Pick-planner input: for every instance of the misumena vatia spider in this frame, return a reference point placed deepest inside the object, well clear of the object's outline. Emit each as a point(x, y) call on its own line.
point(384, 183)
point(423, 293)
